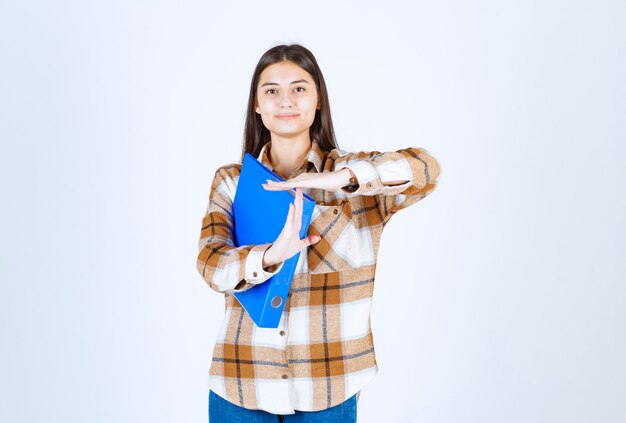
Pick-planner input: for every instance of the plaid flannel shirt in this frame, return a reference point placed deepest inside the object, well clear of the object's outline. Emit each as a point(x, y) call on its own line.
point(322, 352)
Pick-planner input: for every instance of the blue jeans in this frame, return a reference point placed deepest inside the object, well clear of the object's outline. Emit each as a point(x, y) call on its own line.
point(222, 411)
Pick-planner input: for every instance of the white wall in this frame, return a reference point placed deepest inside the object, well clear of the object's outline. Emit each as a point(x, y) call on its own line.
point(115, 115)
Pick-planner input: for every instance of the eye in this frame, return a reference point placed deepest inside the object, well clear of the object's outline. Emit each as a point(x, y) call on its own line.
point(300, 88)
point(268, 91)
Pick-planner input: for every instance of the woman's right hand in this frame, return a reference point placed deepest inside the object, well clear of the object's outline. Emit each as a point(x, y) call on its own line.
point(288, 242)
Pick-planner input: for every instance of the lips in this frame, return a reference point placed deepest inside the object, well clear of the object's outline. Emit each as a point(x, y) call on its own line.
point(286, 115)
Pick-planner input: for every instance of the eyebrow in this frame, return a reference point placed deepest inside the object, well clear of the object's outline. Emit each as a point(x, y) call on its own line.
point(292, 82)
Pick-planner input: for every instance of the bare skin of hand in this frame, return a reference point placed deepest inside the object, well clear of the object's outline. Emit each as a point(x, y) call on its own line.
point(330, 181)
point(288, 242)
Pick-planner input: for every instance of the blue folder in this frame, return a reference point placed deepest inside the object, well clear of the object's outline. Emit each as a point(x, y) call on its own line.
point(259, 217)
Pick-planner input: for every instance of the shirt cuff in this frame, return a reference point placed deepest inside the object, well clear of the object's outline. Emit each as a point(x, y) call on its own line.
point(370, 178)
point(255, 274)
point(364, 172)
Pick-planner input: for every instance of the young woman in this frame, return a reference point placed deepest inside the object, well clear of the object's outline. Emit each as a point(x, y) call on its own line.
point(313, 366)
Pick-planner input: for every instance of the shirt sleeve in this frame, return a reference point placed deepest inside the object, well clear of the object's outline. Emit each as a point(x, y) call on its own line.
point(397, 178)
point(224, 266)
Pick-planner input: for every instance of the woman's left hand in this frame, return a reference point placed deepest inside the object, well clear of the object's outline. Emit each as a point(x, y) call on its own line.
point(329, 181)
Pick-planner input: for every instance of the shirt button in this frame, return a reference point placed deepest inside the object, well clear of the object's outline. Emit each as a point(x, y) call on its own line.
point(369, 185)
point(254, 274)
point(282, 333)
point(285, 376)
point(335, 211)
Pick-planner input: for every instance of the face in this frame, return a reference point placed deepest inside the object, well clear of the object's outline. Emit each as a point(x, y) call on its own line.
point(286, 99)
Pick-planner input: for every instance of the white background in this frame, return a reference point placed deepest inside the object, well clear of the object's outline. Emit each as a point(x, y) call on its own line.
point(499, 298)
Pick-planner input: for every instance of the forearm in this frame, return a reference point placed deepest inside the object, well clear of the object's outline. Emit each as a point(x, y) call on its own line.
point(389, 173)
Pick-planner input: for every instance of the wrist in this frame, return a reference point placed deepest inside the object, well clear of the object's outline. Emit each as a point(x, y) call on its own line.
point(352, 184)
point(347, 174)
point(267, 259)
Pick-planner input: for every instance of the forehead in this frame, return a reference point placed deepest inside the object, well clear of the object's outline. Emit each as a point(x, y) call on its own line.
point(283, 73)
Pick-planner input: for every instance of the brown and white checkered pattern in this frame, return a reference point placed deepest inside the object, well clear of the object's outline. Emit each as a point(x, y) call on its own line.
point(322, 352)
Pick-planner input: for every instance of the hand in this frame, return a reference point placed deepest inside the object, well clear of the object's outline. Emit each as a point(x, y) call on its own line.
point(329, 181)
point(288, 242)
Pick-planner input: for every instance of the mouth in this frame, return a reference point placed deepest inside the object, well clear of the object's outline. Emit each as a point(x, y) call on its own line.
point(286, 116)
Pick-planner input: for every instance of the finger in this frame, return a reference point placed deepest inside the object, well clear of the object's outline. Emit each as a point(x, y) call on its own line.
point(289, 220)
point(279, 185)
point(298, 214)
point(286, 227)
point(310, 240)
point(292, 215)
point(272, 187)
point(296, 201)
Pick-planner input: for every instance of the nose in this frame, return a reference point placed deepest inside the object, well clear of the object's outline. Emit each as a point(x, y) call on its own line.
point(286, 100)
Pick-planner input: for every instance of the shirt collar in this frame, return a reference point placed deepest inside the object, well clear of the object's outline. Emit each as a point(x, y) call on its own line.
point(314, 156)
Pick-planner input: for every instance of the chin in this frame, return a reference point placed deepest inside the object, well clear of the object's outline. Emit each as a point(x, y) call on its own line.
point(288, 134)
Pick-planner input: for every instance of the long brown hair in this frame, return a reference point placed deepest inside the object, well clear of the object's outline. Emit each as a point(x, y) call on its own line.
point(255, 133)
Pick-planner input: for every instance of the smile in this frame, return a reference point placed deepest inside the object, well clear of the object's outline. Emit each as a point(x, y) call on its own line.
point(287, 116)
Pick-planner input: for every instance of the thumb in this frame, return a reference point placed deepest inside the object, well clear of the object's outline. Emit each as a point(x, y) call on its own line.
point(312, 239)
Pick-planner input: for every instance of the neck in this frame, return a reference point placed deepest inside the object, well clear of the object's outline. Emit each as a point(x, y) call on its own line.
point(287, 154)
